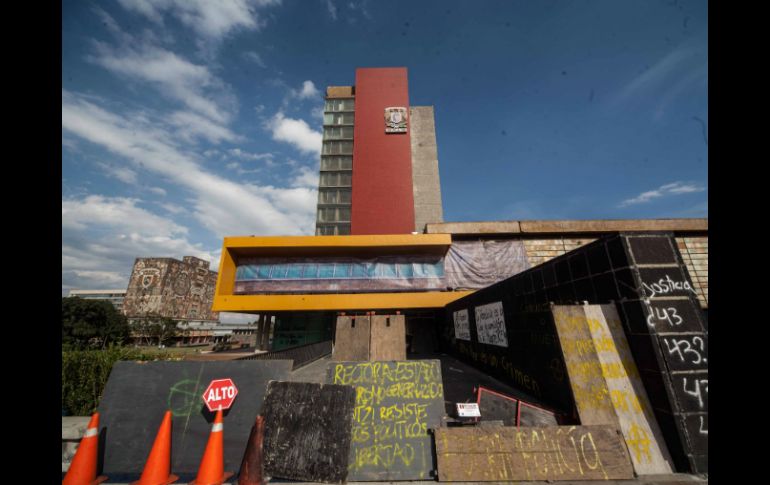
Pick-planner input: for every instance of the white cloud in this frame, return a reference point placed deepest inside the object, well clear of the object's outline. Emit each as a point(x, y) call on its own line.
point(158, 190)
point(307, 177)
point(115, 212)
point(296, 133)
point(238, 153)
point(675, 188)
point(211, 19)
point(254, 57)
point(308, 90)
point(239, 168)
point(102, 236)
point(223, 207)
point(190, 126)
point(675, 73)
point(332, 9)
point(173, 208)
point(124, 174)
point(175, 77)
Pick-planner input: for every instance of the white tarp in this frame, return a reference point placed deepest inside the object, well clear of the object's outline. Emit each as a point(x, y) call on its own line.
point(478, 264)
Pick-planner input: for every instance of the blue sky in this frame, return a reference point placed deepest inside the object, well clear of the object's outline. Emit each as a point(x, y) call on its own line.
point(185, 121)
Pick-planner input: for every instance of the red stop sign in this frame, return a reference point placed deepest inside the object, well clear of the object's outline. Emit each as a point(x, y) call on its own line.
point(220, 393)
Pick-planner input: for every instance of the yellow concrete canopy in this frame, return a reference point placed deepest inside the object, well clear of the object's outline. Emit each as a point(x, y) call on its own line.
point(309, 246)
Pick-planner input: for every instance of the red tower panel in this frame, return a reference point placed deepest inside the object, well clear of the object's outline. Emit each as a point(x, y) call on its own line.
point(382, 199)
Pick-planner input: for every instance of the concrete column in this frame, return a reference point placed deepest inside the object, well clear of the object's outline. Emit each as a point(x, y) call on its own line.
point(268, 327)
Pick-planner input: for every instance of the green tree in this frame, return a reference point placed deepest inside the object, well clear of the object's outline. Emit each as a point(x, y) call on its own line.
point(154, 326)
point(91, 323)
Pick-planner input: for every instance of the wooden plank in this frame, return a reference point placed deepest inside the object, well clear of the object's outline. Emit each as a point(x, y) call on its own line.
point(307, 431)
point(592, 397)
point(396, 404)
point(539, 453)
point(351, 341)
point(641, 433)
point(388, 340)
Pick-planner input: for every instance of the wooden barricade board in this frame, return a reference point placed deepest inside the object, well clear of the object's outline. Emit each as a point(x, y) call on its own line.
point(307, 431)
point(645, 441)
point(495, 406)
point(589, 389)
point(396, 404)
point(137, 394)
point(552, 453)
point(511, 411)
point(388, 340)
point(351, 341)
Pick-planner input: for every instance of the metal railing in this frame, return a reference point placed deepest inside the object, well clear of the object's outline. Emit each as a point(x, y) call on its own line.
point(300, 355)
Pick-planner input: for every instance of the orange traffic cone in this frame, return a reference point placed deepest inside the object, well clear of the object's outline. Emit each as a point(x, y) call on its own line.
point(251, 467)
point(211, 471)
point(82, 470)
point(157, 470)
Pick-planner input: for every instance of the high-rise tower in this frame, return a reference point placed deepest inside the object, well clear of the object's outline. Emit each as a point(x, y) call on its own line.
point(379, 163)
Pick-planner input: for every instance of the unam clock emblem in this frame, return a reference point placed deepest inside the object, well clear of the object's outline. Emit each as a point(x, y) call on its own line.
point(395, 120)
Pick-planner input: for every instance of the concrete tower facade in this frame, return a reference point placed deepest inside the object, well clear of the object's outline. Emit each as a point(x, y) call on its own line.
point(379, 163)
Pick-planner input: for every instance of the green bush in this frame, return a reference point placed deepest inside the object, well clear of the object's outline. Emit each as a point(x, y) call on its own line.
point(84, 374)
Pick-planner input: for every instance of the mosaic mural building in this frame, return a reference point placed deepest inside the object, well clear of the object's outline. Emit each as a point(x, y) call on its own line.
point(182, 290)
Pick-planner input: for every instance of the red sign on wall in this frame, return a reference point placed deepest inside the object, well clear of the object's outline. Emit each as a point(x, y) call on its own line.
point(220, 394)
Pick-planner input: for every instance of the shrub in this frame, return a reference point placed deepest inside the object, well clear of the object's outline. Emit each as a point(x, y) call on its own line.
point(84, 374)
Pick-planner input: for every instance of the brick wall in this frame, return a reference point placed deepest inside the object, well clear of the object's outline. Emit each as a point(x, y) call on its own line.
point(695, 253)
point(541, 250)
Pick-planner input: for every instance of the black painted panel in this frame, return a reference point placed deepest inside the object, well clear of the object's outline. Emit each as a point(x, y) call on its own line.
point(685, 352)
point(691, 392)
point(584, 290)
point(657, 282)
point(578, 265)
point(605, 288)
point(636, 317)
point(138, 394)
point(617, 253)
point(549, 275)
point(697, 426)
point(562, 271)
point(673, 316)
point(626, 284)
point(652, 250)
point(598, 260)
point(537, 279)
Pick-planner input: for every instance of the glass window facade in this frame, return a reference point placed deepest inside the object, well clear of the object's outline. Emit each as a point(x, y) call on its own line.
point(332, 119)
point(337, 163)
point(338, 132)
point(337, 148)
point(340, 104)
point(334, 194)
point(340, 269)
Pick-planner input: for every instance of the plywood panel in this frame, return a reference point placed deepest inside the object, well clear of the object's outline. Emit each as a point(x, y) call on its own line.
point(552, 453)
point(642, 435)
point(396, 404)
point(137, 395)
point(307, 431)
point(352, 339)
point(388, 340)
point(592, 397)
